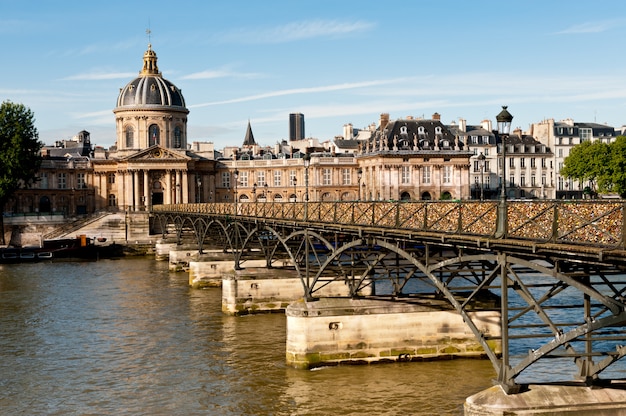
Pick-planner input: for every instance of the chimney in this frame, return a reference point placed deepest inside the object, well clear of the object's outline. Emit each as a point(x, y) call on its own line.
point(384, 120)
point(462, 124)
point(437, 117)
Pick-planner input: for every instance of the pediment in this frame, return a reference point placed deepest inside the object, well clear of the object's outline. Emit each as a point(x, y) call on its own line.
point(157, 153)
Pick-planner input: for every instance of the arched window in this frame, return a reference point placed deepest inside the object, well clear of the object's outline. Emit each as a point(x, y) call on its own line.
point(438, 130)
point(178, 138)
point(154, 133)
point(426, 196)
point(130, 137)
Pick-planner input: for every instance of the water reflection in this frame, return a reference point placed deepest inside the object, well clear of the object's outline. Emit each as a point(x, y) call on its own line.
point(129, 337)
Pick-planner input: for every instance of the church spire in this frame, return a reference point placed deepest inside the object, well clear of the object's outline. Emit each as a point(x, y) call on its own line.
point(149, 62)
point(249, 140)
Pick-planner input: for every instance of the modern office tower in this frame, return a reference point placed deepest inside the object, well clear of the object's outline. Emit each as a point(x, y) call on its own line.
point(296, 126)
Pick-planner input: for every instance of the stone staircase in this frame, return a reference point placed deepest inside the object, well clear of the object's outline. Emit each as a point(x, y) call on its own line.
point(110, 226)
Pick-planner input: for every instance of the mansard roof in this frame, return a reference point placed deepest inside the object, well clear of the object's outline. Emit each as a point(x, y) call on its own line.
point(413, 135)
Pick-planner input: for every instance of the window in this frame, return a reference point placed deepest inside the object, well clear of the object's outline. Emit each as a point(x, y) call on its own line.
point(511, 163)
point(154, 133)
point(405, 175)
point(543, 162)
point(260, 178)
point(522, 162)
point(543, 180)
point(585, 134)
point(112, 200)
point(426, 174)
point(43, 181)
point(522, 180)
point(243, 179)
point(327, 177)
point(178, 138)
point(512, 180)
point(61, 181)
point(292, 178)
point(533, 181)
point(346, 177)
point(80, 181)
point(130, 137)
point(560, 152)
point(487, 166)
point(111, 177)
point(485, 139)
point(278, 178)
point(532, 162)
point(447, 174)
point(225, 179)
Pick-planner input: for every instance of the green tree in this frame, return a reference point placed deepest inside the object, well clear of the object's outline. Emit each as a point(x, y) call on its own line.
point(617, 166)
point(589, 162)
point(20, 157)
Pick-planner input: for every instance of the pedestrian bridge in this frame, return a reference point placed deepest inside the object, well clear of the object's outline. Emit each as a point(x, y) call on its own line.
point(555, 270)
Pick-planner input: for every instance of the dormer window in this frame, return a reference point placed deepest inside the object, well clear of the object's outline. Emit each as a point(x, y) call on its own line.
point(403, 130)
point(438, 130)
point(420, 130)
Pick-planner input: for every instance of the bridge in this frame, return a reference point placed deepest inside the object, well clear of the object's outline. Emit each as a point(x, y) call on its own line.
point(554, 270)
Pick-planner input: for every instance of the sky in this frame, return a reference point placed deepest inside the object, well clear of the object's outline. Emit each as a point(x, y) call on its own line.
point(337, 62)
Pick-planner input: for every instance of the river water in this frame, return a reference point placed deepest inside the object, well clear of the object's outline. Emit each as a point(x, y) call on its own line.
point(128, 337)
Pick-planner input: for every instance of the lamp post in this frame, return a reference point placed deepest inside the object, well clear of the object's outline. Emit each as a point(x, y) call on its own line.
point(481, 164)
point(359, 175)
point(504, 119)
point(307, 162)
point(198, 194)
point(254, 193)
point(266, 187)
point(295, 195)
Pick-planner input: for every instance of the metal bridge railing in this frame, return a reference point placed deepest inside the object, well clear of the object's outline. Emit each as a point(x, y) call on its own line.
point(595, 223)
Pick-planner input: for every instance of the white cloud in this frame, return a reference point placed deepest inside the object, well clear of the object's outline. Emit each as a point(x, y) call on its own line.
point(97, 76)
point(592, 27)
point(295, 31)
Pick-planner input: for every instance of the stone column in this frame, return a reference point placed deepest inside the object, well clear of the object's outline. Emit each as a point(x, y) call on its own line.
point(146, 190)
point(136, 193)
point(184, 187)
point(167, 189)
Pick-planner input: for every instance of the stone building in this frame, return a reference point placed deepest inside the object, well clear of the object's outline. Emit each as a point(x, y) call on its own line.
point(414, 159)
point(151, 162)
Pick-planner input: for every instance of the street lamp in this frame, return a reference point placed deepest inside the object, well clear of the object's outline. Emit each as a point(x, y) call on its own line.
point(307, 162)
point(481, 164)
point(198, 194)
point(254, 192)
point(295, 195)
point(266, 187)
point(504, 119)
point(359, 175)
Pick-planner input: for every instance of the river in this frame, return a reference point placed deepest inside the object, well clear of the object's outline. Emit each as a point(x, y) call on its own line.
point(128, 337)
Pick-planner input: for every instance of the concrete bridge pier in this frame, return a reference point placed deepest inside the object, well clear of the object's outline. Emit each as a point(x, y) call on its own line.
point(334, 331)
point(570, 400)
point(259, 290)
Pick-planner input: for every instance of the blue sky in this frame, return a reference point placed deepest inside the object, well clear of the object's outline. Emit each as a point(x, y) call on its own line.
point(337, 62)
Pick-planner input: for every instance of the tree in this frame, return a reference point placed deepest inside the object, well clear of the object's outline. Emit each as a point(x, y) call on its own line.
point(19, 152)
point(617, 166)
point(589, 162)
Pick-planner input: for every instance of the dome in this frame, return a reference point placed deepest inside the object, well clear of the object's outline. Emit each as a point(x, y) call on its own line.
point(150, 88)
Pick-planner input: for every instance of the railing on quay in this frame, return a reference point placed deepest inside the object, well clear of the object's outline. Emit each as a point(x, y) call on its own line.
point(583, 222)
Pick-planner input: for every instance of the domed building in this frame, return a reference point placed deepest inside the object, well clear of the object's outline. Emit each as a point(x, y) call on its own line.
point(150, 111)
point(151, 162)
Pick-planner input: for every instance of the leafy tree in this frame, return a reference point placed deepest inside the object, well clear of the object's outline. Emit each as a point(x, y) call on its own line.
point(19, 152)
point(617, 166)
point(589, 162)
